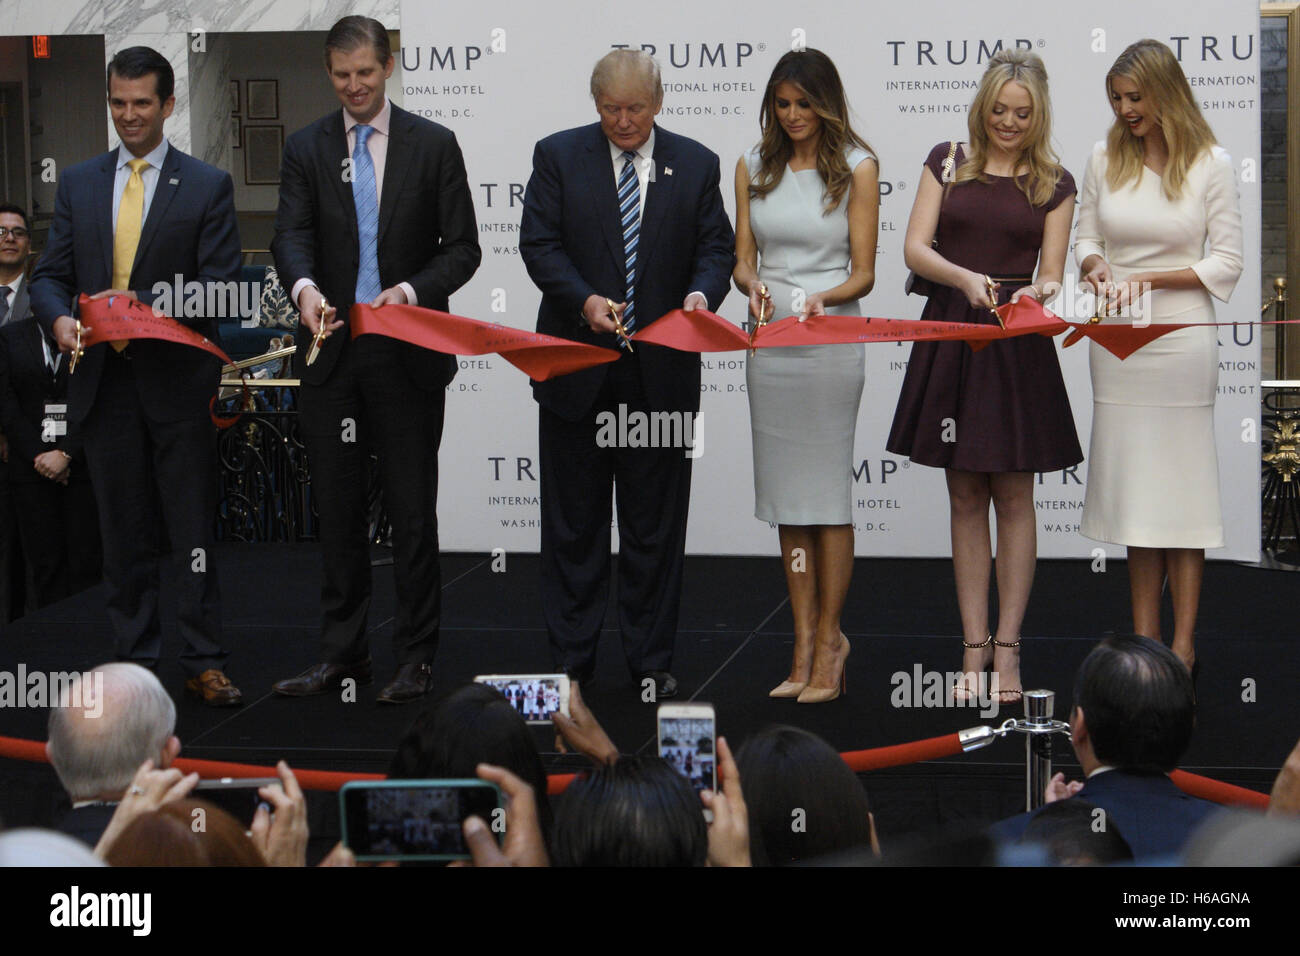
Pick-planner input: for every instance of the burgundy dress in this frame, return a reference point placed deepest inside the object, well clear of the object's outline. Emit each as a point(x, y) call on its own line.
point(1007, 402)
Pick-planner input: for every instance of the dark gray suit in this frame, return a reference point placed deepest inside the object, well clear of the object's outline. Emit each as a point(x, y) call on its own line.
point(393, 391)
point(11, 564)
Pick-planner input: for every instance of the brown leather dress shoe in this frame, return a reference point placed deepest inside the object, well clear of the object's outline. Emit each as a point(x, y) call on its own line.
point(411, 682)
point(214, 689)
point(322, 677)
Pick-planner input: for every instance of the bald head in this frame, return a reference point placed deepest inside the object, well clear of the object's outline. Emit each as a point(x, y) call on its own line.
point(97, 752)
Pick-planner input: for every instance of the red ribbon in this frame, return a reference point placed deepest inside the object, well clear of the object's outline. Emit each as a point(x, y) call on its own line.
point(702, 331)
point(543, 357)
point(121, 317)
point(538, 356)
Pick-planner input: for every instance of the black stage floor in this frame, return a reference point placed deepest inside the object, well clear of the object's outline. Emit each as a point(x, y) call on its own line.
point(733, 645)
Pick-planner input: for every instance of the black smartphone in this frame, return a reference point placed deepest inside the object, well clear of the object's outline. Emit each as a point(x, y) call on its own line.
point(416, 819)
point(236, 795)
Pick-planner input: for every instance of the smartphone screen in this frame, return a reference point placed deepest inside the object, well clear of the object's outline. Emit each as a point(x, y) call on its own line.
point(415, 819)
point(687, 744)
point(236, 795)
point(534, 696)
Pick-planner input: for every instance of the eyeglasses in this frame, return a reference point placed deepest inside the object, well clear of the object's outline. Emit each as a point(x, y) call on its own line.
point(17, 232)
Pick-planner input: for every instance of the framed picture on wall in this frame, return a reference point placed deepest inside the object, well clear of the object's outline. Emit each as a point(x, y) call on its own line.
point(263, 146)
point(263, 99)
point(236, 137)
point(234, 97)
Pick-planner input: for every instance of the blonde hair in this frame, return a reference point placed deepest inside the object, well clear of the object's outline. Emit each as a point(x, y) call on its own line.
point(814, 75)
point(627, 69)
point(1154, 69)
point(1025, 68)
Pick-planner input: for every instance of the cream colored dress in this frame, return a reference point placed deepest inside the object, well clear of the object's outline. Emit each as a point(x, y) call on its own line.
point(1153, 471)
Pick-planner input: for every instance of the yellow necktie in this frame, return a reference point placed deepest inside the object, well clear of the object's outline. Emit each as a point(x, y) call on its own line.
point(126, 238)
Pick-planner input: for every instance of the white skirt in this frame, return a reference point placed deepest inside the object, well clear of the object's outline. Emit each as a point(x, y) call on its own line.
point(1153, 469)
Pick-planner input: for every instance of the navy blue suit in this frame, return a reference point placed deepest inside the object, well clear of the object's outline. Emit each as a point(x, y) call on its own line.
point(572, 245)
point(149, 441)
point(1155, 817)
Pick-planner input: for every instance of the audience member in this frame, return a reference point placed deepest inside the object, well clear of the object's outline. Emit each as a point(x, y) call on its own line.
point(32, 847)
point(1076, 833)
point(184, 833)
point(637, 811)
point(804, 802)
point(472, 725)
point(96, 752)
point(1134, 711)
point(581, 732)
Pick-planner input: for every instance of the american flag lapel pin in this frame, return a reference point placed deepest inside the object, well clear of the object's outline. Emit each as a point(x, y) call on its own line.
point(668, 170)
point(173, 182)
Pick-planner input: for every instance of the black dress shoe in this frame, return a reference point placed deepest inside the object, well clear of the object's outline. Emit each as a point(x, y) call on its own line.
point(411, 682)
point(665, 684)
point(323, 677)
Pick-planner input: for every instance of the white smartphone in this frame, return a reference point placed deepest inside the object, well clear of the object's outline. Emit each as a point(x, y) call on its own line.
point(534, 696)
point(687, 736)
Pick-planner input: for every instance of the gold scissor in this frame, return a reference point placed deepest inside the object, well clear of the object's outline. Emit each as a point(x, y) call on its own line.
point(619, 329)
point(993, 297)
point(322, 332)
point(77, 351)
point(764, 300)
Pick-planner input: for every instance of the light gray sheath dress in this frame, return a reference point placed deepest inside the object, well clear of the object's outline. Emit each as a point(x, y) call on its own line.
point(803, 400)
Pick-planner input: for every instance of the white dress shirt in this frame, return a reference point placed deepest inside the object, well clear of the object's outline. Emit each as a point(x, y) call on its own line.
point(645, 168)
point(377, 147)
point(149, 174)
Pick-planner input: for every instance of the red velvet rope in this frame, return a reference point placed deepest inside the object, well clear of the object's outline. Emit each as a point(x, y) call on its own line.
point(859, 761)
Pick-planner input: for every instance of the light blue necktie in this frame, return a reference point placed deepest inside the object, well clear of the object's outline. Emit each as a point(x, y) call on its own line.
point(629, 210)
point(366, 199)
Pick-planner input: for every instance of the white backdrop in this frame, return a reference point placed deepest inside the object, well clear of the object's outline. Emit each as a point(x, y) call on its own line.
point(504, 75)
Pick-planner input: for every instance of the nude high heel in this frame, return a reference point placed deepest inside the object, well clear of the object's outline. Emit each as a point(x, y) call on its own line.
point(787, 689)
point(822, 695)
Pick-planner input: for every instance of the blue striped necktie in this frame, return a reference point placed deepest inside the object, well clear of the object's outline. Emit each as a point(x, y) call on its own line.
point(366, 198)
point(629, 211)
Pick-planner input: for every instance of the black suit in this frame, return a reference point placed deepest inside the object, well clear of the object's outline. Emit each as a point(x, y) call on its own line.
point(57, 523)
point(571, 242)
point(88, 823)
point(149, 440)
point(12, 590)
point(394, 392)
point(1154, 816)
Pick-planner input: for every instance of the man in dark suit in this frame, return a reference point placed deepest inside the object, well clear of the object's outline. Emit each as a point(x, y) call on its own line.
point(622, 220)
point(1134, 712)
point(15, 246)
point(54, 504)
point(127, 224)
point(374, 208)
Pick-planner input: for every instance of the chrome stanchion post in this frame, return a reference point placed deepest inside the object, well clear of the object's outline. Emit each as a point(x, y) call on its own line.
point(1039, 705)
point(1039, 728)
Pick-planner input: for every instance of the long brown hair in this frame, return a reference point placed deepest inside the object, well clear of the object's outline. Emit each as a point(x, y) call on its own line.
point(816, 77)
point(184, 833)
point(1025, 68)
point(1154, 69)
